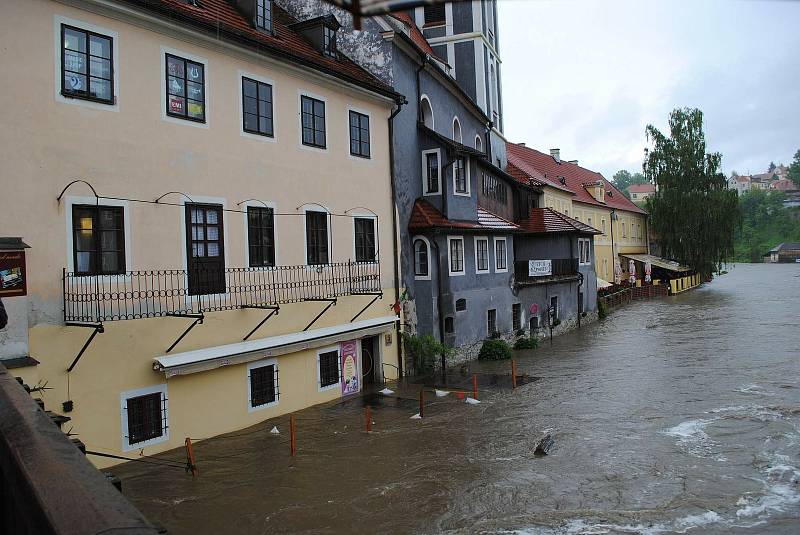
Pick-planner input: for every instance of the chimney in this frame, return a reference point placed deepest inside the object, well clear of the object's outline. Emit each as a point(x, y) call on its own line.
point(521, 144)
point(556, 154)
point(573, 161)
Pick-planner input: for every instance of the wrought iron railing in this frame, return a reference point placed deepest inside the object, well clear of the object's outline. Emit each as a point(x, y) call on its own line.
point(165, 292)
point(560, 267)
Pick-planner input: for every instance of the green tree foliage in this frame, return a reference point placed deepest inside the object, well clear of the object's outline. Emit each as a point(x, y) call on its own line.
point(494, 349)
point(772, 167)
point(794, 169)
point(765, 224)
point(693, 212)
point(424, 351)
point(623, 179)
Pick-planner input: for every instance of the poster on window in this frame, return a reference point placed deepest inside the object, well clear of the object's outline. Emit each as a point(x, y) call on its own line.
point(12, 274)
point(175, 104)
point(348, 352)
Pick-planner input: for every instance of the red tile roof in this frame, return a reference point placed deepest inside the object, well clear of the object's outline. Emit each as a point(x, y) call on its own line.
point(425, 216)
point(524, 178)
point(414, 32)
point(533, 162)
point(641, 188)
point(220, 16)
point(546, 220)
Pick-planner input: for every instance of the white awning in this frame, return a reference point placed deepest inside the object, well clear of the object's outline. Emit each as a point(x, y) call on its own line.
point(210, 358)
point(657, 261)
point(602, 283)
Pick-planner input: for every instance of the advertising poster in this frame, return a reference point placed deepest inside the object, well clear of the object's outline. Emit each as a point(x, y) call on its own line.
point(12, 274)
point(350, 379)
point(540, 268)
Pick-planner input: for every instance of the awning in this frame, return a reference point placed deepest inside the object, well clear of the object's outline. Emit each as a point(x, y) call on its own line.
point(657, 261)
point(602, 283)
point(240, 352)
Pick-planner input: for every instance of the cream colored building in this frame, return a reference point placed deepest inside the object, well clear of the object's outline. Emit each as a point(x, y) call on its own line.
point(174, 185)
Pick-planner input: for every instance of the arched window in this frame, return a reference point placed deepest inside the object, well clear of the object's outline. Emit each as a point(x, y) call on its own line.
point(457, 130)
point(421, 268)
point(478, 143)
point(427, 112)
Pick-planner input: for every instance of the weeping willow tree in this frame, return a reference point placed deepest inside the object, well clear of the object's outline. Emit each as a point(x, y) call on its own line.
point(693, 212)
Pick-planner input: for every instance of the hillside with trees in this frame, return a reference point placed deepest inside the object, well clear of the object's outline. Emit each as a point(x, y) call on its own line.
point(765, 224)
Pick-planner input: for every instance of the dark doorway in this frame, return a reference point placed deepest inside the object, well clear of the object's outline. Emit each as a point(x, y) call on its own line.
point(205, 251)
point(370, 360)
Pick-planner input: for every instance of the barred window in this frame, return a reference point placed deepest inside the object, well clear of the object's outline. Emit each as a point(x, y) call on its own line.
point(263, 385)
point(328, 368)
point(261, 236)
point(146, 417)
point(313, 117)
point(461, 305)
point(186, 93)
point(87, 66)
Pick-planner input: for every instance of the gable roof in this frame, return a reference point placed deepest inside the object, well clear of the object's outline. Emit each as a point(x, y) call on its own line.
point(426, 216)
point(576, 178)
point(641, 188)
point(222, 19)
point(414, 32)
point(547, 220)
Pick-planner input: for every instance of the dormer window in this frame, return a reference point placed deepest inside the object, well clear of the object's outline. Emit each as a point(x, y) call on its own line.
point(264, 15)
point(329, 41)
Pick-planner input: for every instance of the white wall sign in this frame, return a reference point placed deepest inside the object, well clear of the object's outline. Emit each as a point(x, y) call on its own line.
point(540, 268)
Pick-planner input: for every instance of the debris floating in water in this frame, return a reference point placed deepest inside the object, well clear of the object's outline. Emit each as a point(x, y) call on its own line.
point(472, 401)
point(441, 393)
point(416, 417)
point(544, 445)
point(387, 392)
point(275, 431)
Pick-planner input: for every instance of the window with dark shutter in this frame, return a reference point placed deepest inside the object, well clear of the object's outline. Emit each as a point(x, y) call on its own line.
point(263, 385)
point(516, 316)
point(185, 87)
point(145, 417)
point(365, 239)
point(261, 236)
point(87, 65)
point(313, 121)
point(435, 14)
point(257, 107)
point(328, 368)
point(98, 240)
point(359, 134)
point(316, 237)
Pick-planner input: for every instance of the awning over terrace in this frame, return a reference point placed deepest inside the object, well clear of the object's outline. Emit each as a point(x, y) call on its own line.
point(657, 261)
point(211, 358)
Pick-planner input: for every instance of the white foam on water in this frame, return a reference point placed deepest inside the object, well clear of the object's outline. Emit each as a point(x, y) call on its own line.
point(471, 401)
point(753, 389)
point(386, 392)
point(679, 525)
point(692, 437)
point(416, 417)
point(275, 431)
point(441, 393)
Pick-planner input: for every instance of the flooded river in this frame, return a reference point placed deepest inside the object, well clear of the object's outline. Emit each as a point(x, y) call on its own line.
point(677, 415)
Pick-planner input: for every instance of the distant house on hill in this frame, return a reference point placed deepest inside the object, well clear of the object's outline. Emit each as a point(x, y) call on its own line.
point(640, 192)
point(783, 253)
point(740, 183)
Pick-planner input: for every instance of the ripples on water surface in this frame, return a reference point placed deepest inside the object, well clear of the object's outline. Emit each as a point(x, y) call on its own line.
point(679, 415)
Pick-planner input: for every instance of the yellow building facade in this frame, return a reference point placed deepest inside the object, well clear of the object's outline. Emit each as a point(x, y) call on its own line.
point(222, 261)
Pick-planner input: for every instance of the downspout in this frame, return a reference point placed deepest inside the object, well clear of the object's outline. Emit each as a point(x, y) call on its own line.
point(613, 255)
point(439, 299)
point(395, 238)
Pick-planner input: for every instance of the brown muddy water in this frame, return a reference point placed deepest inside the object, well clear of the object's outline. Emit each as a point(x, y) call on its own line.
point(677, 415)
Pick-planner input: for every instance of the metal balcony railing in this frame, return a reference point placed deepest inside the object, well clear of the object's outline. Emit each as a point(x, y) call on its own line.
point(155, 293)
point(561, 268)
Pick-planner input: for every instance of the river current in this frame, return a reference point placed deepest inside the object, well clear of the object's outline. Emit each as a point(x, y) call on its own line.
point(674, 415)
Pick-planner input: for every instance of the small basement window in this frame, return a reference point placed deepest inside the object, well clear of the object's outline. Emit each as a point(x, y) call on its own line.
point(449, 327)
point(263, 384)
point(328, 367)
point(461, 305)
point(144, 417)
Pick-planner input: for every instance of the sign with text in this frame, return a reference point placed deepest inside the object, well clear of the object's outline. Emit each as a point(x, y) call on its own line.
point(540, 268)
point(348, 352)
point(12, 274)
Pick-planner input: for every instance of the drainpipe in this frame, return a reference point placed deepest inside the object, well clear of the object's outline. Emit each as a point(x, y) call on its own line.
point(439, 299)
point(395, 242)
point(613, 255)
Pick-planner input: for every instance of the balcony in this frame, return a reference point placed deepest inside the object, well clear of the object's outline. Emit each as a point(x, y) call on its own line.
point(561, 270)
point(156, 293)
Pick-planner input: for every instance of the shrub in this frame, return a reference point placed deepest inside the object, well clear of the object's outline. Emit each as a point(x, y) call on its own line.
point(495, 349)
point(526, 343)
point(601, 309)
point(556, 322)
point(520, 332)
point(424, 351)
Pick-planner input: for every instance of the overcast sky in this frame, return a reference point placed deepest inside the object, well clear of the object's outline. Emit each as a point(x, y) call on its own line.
point(588, 76)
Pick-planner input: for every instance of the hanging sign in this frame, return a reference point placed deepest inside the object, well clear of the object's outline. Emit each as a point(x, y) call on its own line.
point(540, 268)
point(348, 352)
point(648, 269)
point(534, 309)
point(631, 272)
point(12, 274)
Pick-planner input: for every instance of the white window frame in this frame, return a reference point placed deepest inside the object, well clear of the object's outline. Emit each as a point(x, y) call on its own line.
point(70, 201)
point(365, 215)
point(337, 384)
point(303, 93)
point(428, 247)
point(123, 400)
point(261, 364)
point(263, 80)
point(505, 240)
point(58, 20)
point(430, 105)
point(468, 193)
point(316, 208)
point(425, 191)
point(162, 87)
point(488, 255)
point(460, 138)
point(257, 204)
point(478, 143)
point(371, 145)
point(584, 251)
point(463, 257)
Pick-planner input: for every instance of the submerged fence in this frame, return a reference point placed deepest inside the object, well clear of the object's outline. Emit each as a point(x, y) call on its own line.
point(154, 293)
